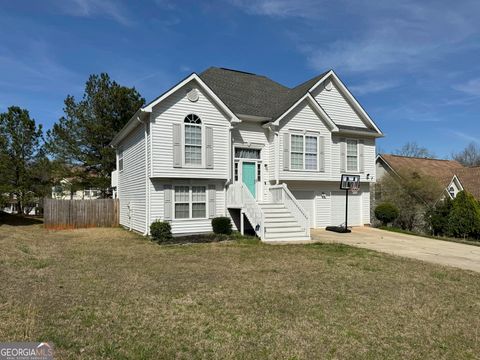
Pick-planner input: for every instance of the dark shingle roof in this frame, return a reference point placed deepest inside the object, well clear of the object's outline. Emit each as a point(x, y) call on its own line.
point(251, 94)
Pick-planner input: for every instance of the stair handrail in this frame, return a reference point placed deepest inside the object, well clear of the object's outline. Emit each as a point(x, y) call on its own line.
point(292, 204)
point(238, 194)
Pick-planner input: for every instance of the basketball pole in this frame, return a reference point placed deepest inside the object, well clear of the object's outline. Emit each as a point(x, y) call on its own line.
point(346, 209)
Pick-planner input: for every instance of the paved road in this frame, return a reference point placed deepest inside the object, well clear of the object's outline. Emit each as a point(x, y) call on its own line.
point(436, 251)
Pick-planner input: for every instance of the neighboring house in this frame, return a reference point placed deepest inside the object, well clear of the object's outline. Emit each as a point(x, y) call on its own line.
point(65, 190)
point(468, 179)
point(12, 207)
point(231, 143)
point(439, 170)
point(450, 174)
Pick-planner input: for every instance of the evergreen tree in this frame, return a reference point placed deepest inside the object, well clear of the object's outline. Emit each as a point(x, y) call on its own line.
point(20, 140)
point(464, 218)
point(82, 136)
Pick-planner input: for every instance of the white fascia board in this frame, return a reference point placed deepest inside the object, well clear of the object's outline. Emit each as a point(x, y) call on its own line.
point(457, 182)
point(149, 107)
point(315, 104)
point(349, 97)
point(380, 158)
point(204, 86)
point(138, 117)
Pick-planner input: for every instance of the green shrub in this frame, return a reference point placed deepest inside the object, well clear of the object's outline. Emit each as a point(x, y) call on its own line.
point(222, 225)
point(436, 218)
point(464, 218)
point(161, 231)
point(386, 212)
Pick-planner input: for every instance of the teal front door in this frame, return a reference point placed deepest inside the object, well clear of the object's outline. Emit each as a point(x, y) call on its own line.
point(248, 176)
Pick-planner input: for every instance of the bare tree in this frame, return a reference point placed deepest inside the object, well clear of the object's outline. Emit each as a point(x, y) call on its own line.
point(412, 194)
point(470, 156)
point(412, 149)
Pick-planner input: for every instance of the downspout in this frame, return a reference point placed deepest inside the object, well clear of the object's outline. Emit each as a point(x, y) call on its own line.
point(229, 164)
point(147, 188)
point(276, 146)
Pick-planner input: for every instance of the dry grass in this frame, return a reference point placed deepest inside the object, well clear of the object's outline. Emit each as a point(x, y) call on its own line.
point(107, 293)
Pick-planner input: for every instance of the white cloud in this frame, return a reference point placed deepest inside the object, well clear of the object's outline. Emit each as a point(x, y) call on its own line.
point(373, 86)
point(93, 8)
point(464, 136)
point(410, 35)
point(35, 64)
point(280, 8)
point(471, 87)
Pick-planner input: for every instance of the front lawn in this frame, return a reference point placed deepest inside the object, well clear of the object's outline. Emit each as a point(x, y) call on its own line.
point(110, 294)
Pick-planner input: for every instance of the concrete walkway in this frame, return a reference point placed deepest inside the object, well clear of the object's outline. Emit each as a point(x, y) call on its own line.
point(436, 251)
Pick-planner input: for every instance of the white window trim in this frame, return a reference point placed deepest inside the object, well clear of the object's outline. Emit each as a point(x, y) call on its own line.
point(190, 203)
point(202, 146)
point(120, 157)
point(357, 169)
point(305, 135)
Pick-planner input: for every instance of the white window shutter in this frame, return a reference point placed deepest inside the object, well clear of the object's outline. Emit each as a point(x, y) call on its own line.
point(321, 154)
point(343, 155)
point(209, 147)
point(286, 151)
point(177, 145)
point(361, 156)
point(212, 204)
point(167, 202)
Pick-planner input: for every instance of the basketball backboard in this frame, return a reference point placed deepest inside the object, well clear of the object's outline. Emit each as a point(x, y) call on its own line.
point(349, 182)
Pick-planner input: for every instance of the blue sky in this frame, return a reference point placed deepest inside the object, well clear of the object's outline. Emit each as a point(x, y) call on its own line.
point(413, 65)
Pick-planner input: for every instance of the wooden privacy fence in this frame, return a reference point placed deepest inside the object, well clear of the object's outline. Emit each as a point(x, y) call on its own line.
point(74, 214)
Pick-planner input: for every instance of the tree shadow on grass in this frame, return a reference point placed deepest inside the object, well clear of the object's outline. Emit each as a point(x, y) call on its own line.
point(18, 220)
point(211, 238)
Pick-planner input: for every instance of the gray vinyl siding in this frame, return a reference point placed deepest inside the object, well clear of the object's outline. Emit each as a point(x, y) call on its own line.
point(173, 111)
point(131, 181)
point(186, 226)
point(337, 107)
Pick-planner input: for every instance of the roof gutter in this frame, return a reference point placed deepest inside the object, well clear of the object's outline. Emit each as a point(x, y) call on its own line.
point(139, 116)
point(360, 133)
point(253, 117)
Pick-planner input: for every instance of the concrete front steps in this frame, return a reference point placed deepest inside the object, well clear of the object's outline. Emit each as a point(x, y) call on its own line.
point(281, 225)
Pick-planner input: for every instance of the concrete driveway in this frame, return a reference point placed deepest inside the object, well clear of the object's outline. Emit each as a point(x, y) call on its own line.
point(416, 247)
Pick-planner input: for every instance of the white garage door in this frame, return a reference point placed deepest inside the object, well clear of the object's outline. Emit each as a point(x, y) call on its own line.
point(354, 208)
point(307, 200)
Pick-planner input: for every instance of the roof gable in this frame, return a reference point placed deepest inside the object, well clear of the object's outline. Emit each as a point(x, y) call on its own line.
point(469, 178)
point(308, 98)
point(340, 92)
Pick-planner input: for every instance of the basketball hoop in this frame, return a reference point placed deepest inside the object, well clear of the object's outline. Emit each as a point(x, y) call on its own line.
point(349, 183)
point(354, 188)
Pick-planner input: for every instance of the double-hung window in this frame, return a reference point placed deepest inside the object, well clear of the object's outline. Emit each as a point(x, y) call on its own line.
point(193, 140)
point(352, 155)
point(303, 152)
point(190, 202)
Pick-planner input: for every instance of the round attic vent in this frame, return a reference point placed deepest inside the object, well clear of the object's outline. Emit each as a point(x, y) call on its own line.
point(328, 85)
point(192, 95)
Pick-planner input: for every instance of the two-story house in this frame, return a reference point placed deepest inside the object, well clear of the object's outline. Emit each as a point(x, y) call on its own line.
point(237, 144)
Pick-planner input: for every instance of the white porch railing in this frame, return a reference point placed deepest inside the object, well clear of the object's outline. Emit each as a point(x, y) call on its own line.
point(282, 195)
point(238, 196)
